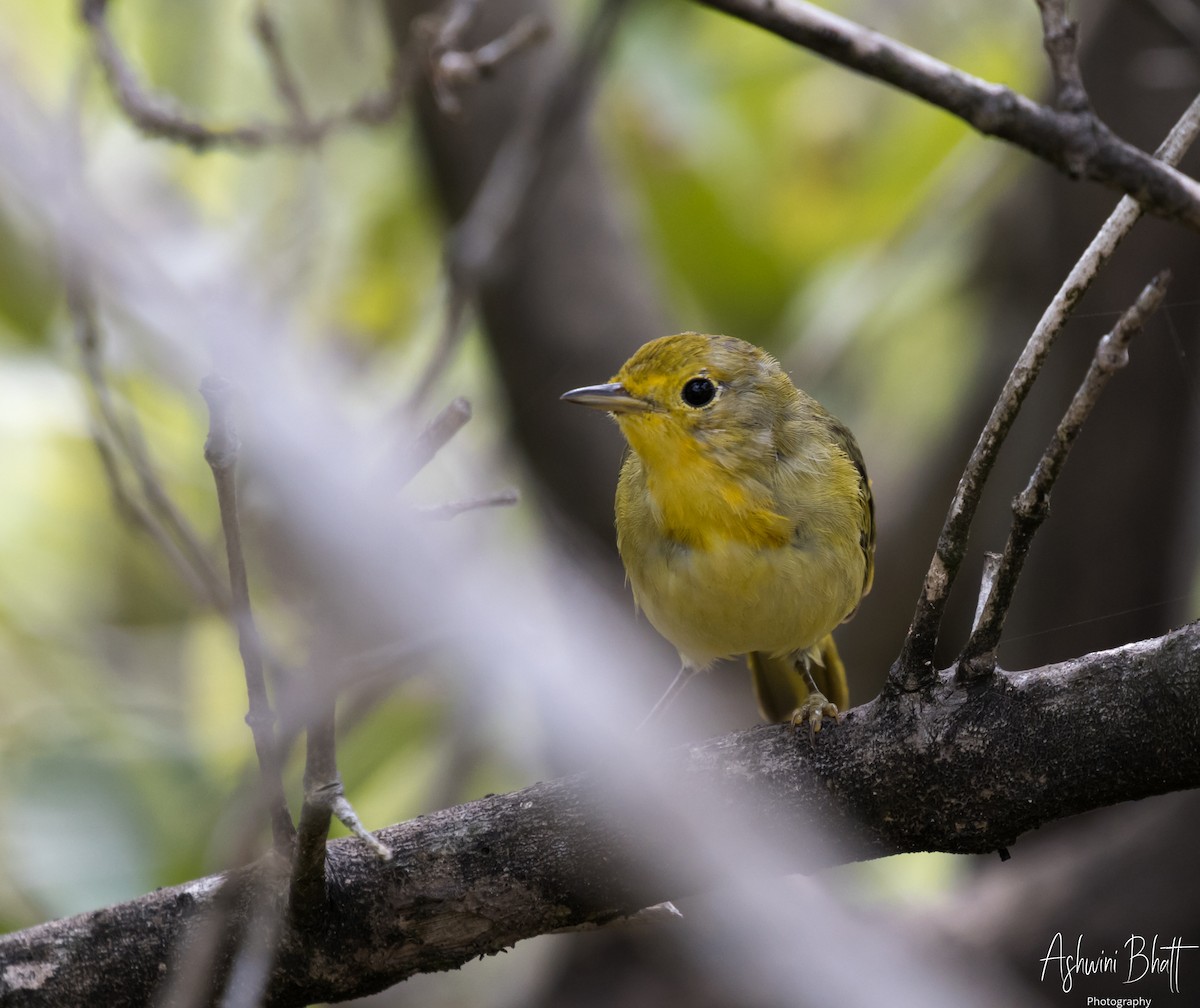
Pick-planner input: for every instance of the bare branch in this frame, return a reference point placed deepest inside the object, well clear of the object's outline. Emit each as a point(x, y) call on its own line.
point(120, 438)
point(324, 797)
point(1031, 507)
point(220, 452)
point(133, 511)
point(1060, 38)
point(484, 60)
point(286, 85)
point(478, 877)
point(435, 436)
point(307, 896)
point(451, 67)
point(157, 115)
point(991, 564)
point(914, 667)
point(1079, 145)
point(452, 509)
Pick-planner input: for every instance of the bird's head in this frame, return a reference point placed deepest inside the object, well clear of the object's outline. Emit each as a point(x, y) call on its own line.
point(692, 392)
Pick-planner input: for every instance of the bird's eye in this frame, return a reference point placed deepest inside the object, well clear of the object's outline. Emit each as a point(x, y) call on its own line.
point(699, 392)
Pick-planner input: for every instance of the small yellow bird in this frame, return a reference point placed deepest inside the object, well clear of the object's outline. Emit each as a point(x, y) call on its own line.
point(744, 517)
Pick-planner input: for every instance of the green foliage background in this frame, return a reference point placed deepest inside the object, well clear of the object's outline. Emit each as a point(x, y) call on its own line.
point(782, 199)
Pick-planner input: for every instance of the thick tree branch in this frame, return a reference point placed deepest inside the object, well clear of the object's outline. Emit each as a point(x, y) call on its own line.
point(968, 770)
point(1074, 141)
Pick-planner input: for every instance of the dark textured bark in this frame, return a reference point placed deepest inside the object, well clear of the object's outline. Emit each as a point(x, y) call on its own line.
point(964, 769)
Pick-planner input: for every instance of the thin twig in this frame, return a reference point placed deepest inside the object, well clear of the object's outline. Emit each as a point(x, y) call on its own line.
point(1032, 505)
point(139, 516)
point(286, 85)
point(526, 162)
point(308, 892)
point(914, 668)
point(221, 452)
point(157, 115)
point(991, 565)
point(1080, 145)
point(322, 801)
point(533, 152)
point(324, 797)
point(434, 437)
point(452, 68)
point(119, 438)
point(447, 34)
point(451, 65)
point(452, 509)
point(1060, 38)
point(484, 60)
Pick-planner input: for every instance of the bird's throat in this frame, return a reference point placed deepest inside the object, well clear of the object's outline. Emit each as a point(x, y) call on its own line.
point(700, 503)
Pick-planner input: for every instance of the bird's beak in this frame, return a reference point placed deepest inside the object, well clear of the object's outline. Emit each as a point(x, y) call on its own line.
point(612, 397)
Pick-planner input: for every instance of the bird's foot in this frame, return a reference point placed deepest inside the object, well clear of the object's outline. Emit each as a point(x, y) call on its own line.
point(812, 712)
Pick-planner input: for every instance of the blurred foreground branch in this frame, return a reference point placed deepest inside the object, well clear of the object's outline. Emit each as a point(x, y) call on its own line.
point(221, 452)
point(966, 770)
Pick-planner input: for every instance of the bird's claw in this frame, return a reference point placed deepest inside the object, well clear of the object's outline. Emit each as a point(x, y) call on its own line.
point(812, 712)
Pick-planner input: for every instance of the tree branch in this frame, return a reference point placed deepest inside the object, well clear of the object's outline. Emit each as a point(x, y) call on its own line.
point(452, 66)
point(1060, 38)
point(160, 116)
point(287, 87)
point(452, 509)
point(434, 436)
point(1076, 142)
point(220, 452)
point(1032, 506)
point(914, 667)
point(120, 438)
point(987, 762)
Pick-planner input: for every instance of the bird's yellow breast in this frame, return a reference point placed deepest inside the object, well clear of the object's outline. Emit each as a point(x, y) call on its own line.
point(724, 566)
point(690, 497)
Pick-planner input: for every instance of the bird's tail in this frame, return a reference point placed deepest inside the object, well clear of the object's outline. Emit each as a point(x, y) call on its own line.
point(779, 686)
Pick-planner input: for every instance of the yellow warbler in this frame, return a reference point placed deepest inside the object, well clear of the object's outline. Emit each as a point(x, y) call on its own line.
point(744, 517)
